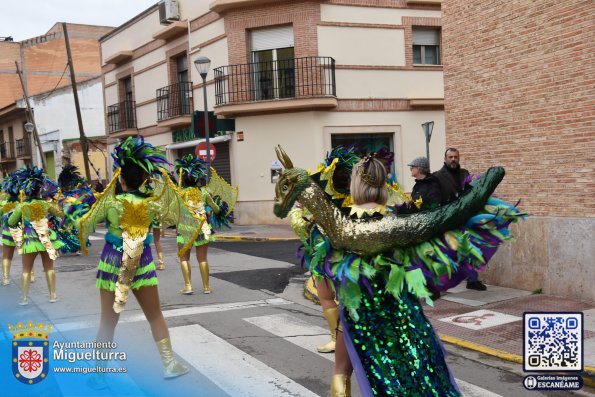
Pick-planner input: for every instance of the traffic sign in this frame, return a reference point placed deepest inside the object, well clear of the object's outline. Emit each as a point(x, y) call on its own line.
point(201, 151)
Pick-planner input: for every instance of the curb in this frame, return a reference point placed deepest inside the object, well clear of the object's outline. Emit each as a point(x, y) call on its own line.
point(588, 373)
point(246, 239)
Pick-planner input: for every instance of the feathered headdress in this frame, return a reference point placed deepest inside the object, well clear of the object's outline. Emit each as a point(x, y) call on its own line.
point(192, 168)
point(11, 184)
point(385, 156)
point(137, 151)
point(346, 156)
point(32, 179)
point(70, 178)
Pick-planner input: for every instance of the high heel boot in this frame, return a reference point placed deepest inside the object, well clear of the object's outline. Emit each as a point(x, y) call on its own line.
point(204, 274)
point(6, 271)
point(50, 277)
point(187, 274)
point(341, 386)
point(160, 262)
point(171, 367)
point(25, 283)
point(332, 318)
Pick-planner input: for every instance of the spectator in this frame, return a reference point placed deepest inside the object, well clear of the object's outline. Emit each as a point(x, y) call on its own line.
point(452, 179)
point(426, 186)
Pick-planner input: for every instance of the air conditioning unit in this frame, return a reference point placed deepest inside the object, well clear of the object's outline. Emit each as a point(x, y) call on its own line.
point(169, 11)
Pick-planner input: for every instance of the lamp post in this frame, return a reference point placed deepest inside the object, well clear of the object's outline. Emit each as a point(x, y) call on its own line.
point(202, 65)
point(29, 127)
point(428, 127)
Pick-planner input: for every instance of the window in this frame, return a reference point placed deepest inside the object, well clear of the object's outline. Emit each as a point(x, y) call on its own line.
point(366, 143)
point(426, 46)
point(273, 63)
point(184, 88)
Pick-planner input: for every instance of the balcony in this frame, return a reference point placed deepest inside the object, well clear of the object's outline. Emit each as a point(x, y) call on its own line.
point(290, 84)
point(7, 153)
point(121, 119)
point(23, 148)
point(174, 105)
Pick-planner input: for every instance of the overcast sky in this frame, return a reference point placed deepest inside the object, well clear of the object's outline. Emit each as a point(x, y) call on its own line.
point(23, 19)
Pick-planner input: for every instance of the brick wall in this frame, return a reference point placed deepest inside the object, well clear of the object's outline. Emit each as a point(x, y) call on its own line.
point(45, 60)
point(520, 92)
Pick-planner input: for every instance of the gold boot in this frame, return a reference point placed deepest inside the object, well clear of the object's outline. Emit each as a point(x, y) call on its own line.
point(341, 386)
point(25, 283)
point(32, 275)
point(161, 263)
point(187, 274)
point(50, 277)
point(332, 318)
point(171, 367)
point(6, 271)
point(204, 274)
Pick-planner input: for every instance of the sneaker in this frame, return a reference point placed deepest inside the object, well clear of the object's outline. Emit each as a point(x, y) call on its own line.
point(476, 285)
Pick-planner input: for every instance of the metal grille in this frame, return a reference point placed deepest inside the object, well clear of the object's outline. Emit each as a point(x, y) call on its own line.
point(121, 116)
point(7, 151)
point(280, 79)
point(23, 147)
point(174, 100)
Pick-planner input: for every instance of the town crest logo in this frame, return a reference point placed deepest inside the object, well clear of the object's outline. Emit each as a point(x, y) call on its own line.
point(30, 351)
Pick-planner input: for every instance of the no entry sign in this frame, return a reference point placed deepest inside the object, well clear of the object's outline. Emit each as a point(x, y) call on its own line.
point(201, 151)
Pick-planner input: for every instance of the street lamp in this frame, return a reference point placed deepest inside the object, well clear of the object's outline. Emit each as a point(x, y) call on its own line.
point(29, 127)
point(428, 127)
point(203, 64)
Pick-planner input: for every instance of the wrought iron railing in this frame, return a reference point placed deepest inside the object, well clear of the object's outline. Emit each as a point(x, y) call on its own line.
point(23, 147)
point(7, 151)
point(174, 100)
point(121, 116)
point(288, 78)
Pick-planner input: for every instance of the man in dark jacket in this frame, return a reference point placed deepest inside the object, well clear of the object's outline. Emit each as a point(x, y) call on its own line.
point(453, 179)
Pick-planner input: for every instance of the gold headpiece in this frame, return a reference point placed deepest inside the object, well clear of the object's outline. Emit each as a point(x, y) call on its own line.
point(361, 169)
point(39, 331)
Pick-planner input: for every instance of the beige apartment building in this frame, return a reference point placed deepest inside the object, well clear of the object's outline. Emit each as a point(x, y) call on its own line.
point(307, 75)
point(520, 93)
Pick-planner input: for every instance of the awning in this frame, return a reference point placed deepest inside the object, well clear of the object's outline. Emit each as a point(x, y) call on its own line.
point(180, 145)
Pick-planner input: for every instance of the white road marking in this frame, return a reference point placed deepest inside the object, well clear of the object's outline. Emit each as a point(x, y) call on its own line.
point(307, 336)
point(234, 371)
point(187, 311)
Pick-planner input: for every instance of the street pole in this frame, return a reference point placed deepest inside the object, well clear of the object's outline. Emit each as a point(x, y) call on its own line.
point(207, 133)
point(427, 128)
point(35, 134)
point(83, 138)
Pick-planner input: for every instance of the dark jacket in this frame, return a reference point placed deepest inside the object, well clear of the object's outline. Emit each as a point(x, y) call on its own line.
point(451, 181)
point(429, 191)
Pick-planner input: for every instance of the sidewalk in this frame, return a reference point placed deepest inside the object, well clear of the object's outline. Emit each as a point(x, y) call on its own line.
point(490, 322)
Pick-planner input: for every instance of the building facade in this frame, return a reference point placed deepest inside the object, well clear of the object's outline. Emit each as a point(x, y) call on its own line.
point(307, 75)
point(43, 63)
point(520, 93)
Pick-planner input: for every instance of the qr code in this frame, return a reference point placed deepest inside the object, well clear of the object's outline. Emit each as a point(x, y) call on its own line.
point(553, 341)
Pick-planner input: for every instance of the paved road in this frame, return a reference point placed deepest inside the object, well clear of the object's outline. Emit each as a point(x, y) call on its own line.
point(255, 335)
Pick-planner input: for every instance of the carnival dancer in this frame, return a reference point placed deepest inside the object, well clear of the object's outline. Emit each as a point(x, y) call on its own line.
point(75, 198)
point(192, 173)
point(10, 198)
point(126, 262)
point(381, 265)
point(34, 235)
point(335, 173)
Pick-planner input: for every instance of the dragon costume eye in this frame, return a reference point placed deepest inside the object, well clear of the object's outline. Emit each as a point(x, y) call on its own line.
point(284, 188)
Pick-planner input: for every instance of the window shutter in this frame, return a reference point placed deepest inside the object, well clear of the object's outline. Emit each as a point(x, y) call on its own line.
point(271, 38)
point(426, 37)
